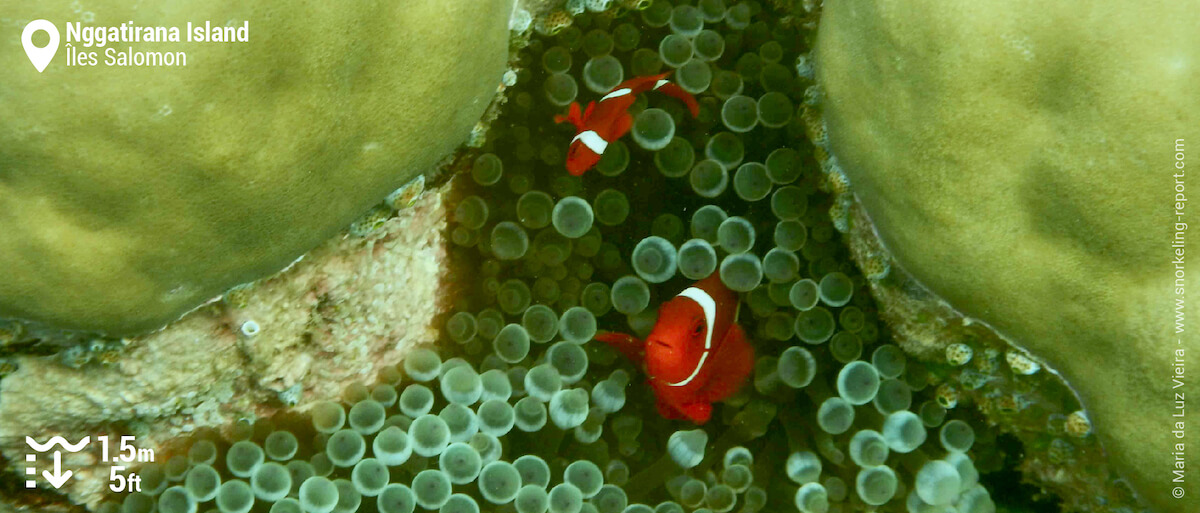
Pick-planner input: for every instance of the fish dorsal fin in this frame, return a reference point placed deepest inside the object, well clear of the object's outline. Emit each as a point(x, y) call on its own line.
point(709, 307)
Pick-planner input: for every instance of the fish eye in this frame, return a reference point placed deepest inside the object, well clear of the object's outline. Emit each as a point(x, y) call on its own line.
point(699, 329)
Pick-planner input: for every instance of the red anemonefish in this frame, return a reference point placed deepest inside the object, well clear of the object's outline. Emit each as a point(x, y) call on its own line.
point(696, 354)
point(608, 120)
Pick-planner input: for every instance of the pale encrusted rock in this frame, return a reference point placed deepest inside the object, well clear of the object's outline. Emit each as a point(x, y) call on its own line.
point(336, 317)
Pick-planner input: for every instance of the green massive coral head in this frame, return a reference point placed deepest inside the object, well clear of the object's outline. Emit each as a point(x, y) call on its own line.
point(1020, 159)
point(129, 195)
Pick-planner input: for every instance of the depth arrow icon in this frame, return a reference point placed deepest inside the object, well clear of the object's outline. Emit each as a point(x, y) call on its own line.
point(58, 478)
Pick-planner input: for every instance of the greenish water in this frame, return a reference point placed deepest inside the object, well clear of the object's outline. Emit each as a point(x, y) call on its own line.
point(522, 410)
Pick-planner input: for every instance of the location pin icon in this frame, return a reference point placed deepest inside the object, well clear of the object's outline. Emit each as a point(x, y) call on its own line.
point(40, 57)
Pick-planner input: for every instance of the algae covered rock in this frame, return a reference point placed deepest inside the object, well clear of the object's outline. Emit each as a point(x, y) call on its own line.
point(1022, 160)
point(129, 195)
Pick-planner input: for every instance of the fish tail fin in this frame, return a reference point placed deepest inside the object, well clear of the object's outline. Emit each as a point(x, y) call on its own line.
point(627, 345)
point(561, 118)
point(673, 90)
point(573, 116)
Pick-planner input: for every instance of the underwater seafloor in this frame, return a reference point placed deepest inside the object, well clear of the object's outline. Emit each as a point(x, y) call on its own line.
point(518, 409)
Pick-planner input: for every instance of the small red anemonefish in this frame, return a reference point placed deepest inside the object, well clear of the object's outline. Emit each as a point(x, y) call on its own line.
point(608, 120)
point(696, 354)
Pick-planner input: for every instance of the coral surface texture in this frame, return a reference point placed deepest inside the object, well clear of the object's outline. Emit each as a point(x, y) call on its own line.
point(1024, 161)
point(130, 195)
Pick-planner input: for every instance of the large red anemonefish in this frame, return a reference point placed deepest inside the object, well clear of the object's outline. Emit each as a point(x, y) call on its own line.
point(696, 354)
point(606, 121)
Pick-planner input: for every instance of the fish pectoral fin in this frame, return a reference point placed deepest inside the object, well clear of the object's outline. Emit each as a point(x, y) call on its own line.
point(698, 412)
point(667, 411)
point(632, 348)
point(733, 363)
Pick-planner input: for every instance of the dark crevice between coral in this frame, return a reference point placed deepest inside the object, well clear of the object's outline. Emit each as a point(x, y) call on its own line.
point(1010, 491)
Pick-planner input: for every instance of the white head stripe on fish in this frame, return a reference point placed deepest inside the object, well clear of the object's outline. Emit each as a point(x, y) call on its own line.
point(660, 83)
point(710, 314)
point(617, 93)
point(592, 140)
